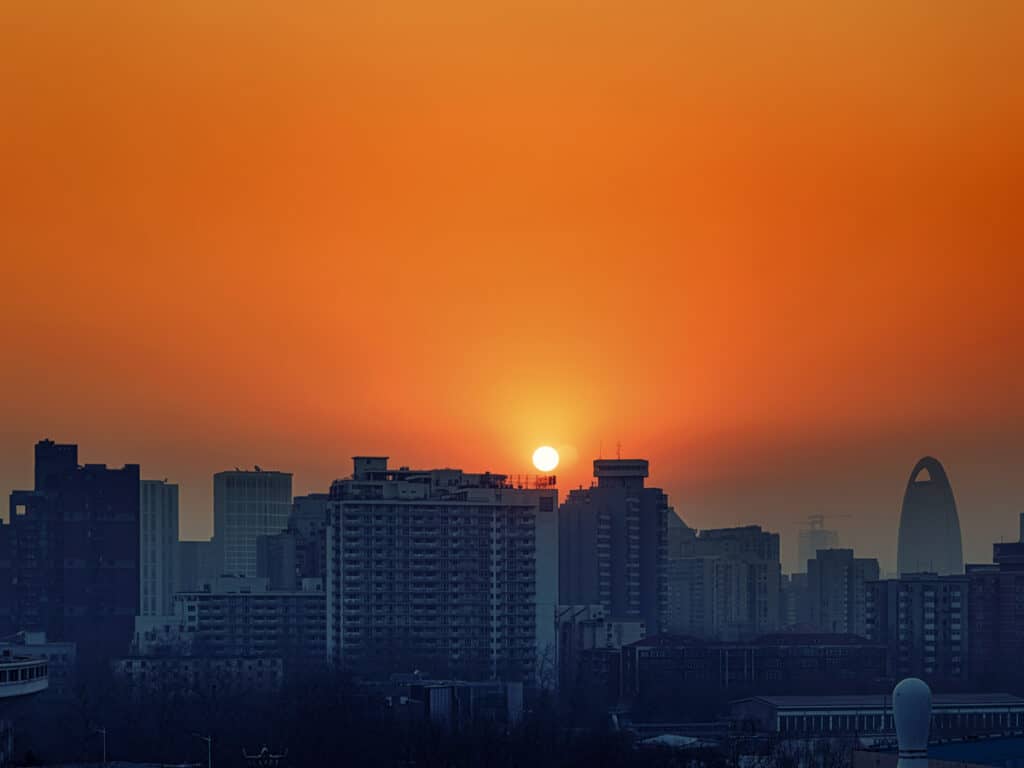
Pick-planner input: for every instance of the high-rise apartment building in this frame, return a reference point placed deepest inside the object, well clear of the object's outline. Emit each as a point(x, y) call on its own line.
point(451, 573)
point(158, 547)
point(837, 590)
point(726, 586)
point(997, 618)
point(247, 505)
point(613, 544)
point(922, 619)
point(75, 552)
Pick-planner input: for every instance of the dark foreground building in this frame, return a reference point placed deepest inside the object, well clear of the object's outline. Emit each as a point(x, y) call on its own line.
point(613, 545)
point(74, 553)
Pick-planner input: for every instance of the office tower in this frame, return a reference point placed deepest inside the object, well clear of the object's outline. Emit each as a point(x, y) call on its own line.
point(308, 522)
point(922, 621)
point(726, 586)
point(275, 560)
point(812, 538)
point(929, 538)
point(199, 562)
point(75, 552)
point(158, 547)
point(451, 573)
point(613, 544)
point(837, 590)
point(997, 618)
point(247, 505)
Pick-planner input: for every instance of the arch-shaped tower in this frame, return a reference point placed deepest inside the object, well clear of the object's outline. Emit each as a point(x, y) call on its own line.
point(929, 538)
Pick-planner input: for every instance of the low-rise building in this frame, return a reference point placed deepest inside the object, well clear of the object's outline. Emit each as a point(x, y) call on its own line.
point(953, 715)
point(191, 675)
point(241, 618)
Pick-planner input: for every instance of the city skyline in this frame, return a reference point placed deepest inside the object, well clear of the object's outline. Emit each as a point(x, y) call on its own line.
point(866, 545)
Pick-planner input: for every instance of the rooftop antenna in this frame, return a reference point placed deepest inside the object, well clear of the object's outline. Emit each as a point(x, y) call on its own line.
point(618, 450)
point(600, 450)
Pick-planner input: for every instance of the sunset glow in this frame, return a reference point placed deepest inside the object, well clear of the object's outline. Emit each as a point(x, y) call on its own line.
point(767, 246)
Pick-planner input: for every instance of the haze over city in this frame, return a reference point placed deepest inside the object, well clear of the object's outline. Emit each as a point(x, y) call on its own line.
point(782, 266)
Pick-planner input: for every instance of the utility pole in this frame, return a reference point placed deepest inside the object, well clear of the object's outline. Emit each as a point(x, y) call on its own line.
point(209, 748)
point(103, 731)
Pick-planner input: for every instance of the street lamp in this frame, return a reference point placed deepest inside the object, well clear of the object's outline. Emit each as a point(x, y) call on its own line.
point(209, 748)
point(103, 731)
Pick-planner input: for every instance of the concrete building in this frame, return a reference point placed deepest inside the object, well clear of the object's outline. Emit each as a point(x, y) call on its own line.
point(953, 715)
point(585, 628)
point(276, 560)
point(837, 590)
point(996, 618)
point(158, 547)
point(199, 562)
point(247, 505)
point(613, 544)
point(812, 538)
point(663, 666)
point(188, 675)
point(241, 618)
point(74, 557)
point(929, 537)
point(795, 601)
point(308, 521)
point(922, 619)
point(452, 573)
point(726, 586)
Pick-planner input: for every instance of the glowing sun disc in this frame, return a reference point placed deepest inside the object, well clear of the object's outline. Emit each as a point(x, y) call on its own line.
point(545, 458)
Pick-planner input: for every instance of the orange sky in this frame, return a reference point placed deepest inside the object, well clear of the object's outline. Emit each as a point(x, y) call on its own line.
point(775, 247)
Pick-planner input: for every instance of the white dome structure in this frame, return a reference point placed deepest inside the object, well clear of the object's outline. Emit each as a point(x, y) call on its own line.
point(912, 712)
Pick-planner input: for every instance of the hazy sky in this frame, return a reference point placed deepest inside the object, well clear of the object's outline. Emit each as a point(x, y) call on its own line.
point(774, 247)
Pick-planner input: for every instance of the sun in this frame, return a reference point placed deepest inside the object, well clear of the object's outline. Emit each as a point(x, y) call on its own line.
point(545, 458)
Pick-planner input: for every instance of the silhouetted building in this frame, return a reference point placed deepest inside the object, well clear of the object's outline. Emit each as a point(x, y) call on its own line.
point(997, 618)
point(158, 547)
point(726, 586)
point(922, 621)
point(812, 538)
point(613, 544)
point(837, 590)
point(192, 675)
point(75, 552)
point(448, 572)
point(308, 521)
point(275, 560)
point(199, 562)
point(585, 628)
point(240, 617)
point(929, 538)
point(952, 715)
point(657, 666)
point(678, 534)
point(795, 601)
point(247, 505)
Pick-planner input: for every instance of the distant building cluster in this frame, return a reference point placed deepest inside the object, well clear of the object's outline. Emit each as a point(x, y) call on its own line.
point(467, 577)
